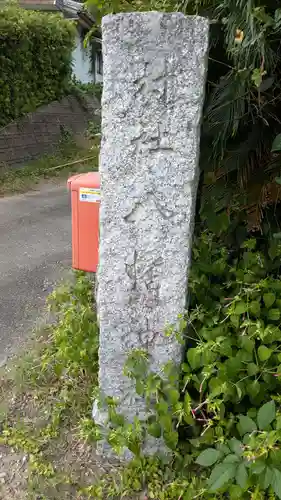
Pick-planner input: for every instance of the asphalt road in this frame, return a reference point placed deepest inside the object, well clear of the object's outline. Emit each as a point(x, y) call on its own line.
point(35, 252)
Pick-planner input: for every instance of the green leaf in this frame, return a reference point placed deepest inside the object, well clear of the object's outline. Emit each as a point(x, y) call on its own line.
point(233, 366)
point(171, 439)
point(264, 353)
point(235, 492)
point(162, 407)
point(252, 413)
point(221, 474)
point(194, 358)
point(278, 423)
point(245, 356)
point(262, 16)
point(276, 145)
point(208, 457)
point(154, 430)
point(271, 333)
point(236, 446)
point(166, 421)
point(216, 387)
point(268, 477)
point(258, 467)
point(185, 368)
point(247, 343)
point(235, 320)
point(275, 457)
point(266, 415)
point(231, 459)
point(187, 403)
point(253, 388)
point(250, 244)
point(246, 439)
point(241, 476)
point(276, 482)
point(277, 17)
point(139, 387)
point(277, 236)
point(240, 307)
point(269, 299)
point(173, 396)
point(273, 314)
point(246, 425)
point(252, 369)
point(239, 391)
point(223, 448)
point(208, 357)
point(278, 180)
point(256, 77)
point(255, 308)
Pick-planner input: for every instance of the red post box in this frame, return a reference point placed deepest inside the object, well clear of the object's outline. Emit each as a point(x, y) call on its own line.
point(85, 204)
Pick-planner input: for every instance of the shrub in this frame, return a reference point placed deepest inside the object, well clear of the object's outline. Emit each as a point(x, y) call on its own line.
point(87, 88)
point(35, 60)
point(222, 420)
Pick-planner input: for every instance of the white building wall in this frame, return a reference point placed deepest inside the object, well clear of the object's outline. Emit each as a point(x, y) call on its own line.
point(84, 68)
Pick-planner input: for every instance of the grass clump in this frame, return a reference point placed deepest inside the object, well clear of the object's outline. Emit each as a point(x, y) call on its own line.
point(48, 394)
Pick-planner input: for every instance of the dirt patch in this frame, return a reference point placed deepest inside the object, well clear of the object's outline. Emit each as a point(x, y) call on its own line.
point(13, 474)
point(46, 430)
point(58, 469)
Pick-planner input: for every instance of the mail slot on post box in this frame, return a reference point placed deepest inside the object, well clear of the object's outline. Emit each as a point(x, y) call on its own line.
point(85, 204)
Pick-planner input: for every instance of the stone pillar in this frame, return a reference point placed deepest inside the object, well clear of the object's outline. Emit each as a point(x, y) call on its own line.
point(154, 77)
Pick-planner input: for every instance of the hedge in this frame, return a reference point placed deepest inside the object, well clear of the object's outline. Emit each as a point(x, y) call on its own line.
point(35, 60)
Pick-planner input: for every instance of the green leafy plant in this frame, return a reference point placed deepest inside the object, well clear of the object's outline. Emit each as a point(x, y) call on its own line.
point(222, 414)
point(234, 352)
point(75, 336)
point(35, 62)
point(87, 88)
point(252, 459)
point(94, 129)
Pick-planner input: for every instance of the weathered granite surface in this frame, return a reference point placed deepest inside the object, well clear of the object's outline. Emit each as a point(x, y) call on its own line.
point(154, 78)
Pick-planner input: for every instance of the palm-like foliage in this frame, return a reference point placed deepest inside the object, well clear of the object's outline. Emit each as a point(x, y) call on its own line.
point(242, 112)
point(243, 107)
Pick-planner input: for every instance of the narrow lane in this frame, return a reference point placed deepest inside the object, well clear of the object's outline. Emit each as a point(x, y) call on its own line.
point(35, 251)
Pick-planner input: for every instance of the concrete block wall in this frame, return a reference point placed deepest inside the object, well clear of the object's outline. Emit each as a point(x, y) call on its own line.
point(39, 133)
